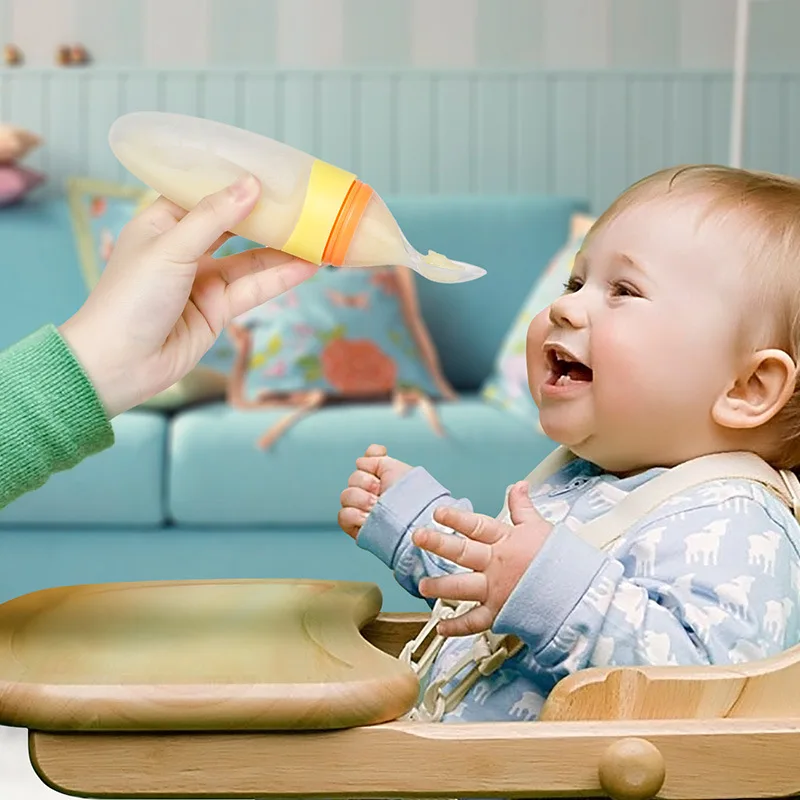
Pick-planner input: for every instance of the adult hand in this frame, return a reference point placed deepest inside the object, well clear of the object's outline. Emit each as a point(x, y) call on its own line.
point(163, 299)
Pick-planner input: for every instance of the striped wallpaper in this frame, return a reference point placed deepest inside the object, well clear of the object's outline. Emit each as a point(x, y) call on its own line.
point(318, 34)
point(586, 134)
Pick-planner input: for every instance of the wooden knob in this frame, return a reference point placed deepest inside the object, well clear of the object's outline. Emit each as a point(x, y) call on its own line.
point(632, 769)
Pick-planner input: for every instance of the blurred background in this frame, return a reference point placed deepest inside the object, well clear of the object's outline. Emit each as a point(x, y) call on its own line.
point(496, 130)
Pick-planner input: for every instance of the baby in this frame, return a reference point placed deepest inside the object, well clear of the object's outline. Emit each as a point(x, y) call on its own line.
point(677, 336)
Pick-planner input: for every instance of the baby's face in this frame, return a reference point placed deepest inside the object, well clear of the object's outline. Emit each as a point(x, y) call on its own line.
point(627, 364)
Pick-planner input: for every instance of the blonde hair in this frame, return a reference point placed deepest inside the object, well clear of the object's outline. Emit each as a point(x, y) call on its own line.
point(764, 210)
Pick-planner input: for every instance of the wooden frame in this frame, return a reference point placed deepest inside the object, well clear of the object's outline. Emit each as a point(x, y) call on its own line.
point(697, 760)
point(676, 733)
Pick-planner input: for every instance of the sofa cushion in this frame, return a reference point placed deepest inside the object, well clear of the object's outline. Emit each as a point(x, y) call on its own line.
point(218, 476)
point(119, 486)
point(513, 237)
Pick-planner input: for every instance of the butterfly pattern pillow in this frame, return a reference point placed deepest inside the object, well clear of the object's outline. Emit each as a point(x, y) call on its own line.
point(343, 334)
point(349, 333)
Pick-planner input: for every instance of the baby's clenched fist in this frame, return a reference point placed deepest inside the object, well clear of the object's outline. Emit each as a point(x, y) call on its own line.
point(375, 473)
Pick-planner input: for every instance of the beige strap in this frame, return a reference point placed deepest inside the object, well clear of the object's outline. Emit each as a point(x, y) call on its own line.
point(546, 468)
point(609, 527)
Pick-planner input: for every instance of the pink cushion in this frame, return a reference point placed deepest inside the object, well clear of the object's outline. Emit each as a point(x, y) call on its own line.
point(16, 181)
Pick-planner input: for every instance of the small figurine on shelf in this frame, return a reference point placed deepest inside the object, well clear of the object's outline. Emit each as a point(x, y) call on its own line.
point(12, 55)
point(78, 55)
point(74, 55)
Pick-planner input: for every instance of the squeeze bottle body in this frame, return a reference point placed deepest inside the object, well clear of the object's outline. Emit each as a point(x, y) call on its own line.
point(307, 208)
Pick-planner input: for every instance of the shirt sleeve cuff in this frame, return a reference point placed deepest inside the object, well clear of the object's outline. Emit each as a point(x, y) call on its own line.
point(52, 416)
point(553, 585)
point(396, 512)
point(59, 390)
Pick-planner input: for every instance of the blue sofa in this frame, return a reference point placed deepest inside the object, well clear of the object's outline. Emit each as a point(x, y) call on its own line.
point(188, 495)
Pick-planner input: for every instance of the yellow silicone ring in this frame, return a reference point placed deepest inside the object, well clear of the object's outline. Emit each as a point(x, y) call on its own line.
point(327, 189)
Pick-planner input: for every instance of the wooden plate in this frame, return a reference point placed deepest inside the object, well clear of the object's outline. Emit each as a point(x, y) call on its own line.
point(198, 655)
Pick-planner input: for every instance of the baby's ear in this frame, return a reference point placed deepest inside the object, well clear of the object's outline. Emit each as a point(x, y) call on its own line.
point(760, 391)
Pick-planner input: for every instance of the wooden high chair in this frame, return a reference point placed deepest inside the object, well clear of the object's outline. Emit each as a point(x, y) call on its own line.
point(268, 688)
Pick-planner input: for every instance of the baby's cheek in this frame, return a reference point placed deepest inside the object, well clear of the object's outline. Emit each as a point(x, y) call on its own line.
point(534, 357)
point(625, 370)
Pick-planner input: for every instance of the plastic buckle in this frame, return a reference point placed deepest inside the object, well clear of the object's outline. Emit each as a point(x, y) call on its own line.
point(489, 664)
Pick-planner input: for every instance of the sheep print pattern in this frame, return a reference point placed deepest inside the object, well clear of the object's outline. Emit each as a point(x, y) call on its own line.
point(711, 576)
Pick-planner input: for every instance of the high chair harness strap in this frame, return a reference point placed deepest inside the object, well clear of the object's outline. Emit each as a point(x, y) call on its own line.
point(490, 650)
point(606, 529)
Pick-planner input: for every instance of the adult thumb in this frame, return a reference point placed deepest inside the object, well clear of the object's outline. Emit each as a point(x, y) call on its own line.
point(519, 504)
point(213, 216)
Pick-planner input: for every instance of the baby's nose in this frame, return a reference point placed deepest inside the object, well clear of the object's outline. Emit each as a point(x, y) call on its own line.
point(568, 311)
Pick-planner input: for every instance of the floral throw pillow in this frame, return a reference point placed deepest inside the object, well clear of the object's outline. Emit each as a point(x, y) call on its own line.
point(507, 386)
point(343, 334)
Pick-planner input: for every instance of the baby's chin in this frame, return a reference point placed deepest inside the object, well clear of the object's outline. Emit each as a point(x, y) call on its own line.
point(561, 431)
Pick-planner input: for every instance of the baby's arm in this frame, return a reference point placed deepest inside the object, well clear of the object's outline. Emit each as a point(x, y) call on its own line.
point(708, 582)
point(407, 505)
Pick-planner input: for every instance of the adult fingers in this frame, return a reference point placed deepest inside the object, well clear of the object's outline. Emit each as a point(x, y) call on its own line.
point(219, 242)
point(157, 218)
point(257, 276)
point(214, 215)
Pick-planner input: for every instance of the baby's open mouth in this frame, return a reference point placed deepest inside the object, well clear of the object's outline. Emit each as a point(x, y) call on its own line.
point(564, 368)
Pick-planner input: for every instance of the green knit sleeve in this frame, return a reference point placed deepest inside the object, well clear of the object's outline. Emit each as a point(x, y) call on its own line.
point(50, 415)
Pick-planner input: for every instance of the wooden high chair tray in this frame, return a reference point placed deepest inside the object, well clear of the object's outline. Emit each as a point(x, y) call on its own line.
point(198, 655)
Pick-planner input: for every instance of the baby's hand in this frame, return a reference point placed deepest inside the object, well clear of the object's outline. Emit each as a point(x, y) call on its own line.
point(496, 554)
point(375, 473)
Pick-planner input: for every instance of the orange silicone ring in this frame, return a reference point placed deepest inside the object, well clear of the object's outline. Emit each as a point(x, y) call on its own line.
point(343, 230)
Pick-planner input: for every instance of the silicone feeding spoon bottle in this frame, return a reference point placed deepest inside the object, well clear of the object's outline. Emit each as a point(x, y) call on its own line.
point(308, 208)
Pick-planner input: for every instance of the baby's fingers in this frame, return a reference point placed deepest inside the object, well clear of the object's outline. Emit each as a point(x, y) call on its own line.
point(461, 586)
point(476, 620)
point(358, 498)
point(477, 527)
point(366, 481)
point(458, 549)
point(370, 464)
point(371, 460)
point(350, 521)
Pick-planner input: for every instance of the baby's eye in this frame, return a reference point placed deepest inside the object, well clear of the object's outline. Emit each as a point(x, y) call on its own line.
point(572, 285)
point(622, 289)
